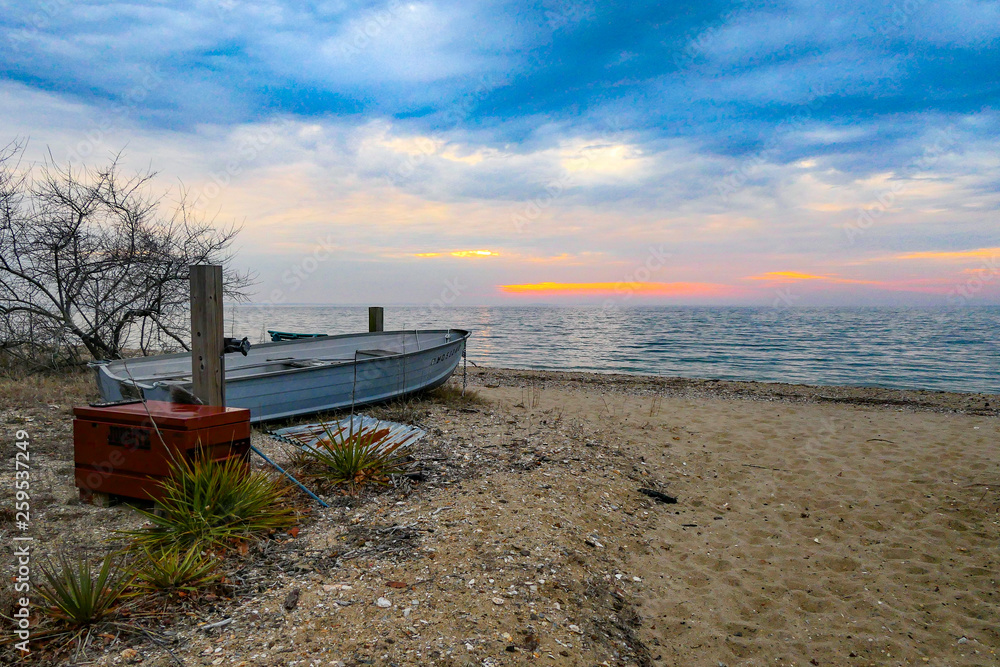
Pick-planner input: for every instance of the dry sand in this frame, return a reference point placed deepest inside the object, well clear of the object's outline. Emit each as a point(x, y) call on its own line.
point(829, 526)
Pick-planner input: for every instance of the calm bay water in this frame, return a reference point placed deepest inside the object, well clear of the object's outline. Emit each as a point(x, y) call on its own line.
point(953, 350)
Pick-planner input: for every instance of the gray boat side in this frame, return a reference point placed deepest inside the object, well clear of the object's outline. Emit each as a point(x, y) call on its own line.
point(291, 378)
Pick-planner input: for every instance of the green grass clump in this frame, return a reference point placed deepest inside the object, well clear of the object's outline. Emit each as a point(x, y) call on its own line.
point(355, 458)
point(214, 504)
point(452, 396)
point(173, 570)
point(76, 596)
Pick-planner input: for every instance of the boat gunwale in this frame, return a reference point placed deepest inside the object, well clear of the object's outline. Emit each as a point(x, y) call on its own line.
point(103, 365)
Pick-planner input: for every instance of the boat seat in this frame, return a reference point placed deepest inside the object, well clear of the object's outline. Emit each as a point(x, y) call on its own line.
point(306, 363)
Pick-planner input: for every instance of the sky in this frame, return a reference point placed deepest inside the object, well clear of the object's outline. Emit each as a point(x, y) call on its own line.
point(477, 152)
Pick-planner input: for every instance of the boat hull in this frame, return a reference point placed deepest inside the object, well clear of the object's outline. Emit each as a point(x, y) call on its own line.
point(278, 380)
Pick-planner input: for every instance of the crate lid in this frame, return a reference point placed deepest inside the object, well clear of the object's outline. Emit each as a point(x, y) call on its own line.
point(176, 416)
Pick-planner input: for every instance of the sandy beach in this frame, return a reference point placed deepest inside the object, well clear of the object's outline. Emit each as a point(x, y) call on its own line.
point(813, 525)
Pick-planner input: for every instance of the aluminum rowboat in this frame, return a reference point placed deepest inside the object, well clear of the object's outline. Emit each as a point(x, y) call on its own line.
point(277, 380)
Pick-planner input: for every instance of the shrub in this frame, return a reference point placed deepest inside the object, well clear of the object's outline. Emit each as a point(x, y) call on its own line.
point(77, 596)
point(355, 458)
point(210, 503)
point(176, 570)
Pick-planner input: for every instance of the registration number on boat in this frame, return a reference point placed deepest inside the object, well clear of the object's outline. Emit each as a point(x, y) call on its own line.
point(444, 355)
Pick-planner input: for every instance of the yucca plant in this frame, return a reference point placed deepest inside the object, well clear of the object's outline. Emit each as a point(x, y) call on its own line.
point(77, 596)
point(214, 504)
point(354, 457)
point(174, 570)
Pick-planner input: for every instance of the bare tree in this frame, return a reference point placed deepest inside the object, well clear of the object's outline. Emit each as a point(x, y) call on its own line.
point(87, 262)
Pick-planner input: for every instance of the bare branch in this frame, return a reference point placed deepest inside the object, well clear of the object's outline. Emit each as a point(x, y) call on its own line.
point(87, 259)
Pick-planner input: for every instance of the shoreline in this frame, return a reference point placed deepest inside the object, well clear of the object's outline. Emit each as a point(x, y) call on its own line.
point(932, 400)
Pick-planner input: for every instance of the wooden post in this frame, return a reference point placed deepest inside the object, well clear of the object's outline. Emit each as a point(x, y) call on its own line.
point(207, 334)
point(376, 318)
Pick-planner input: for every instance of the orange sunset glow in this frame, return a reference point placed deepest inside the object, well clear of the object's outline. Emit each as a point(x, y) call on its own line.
point(473, 253)
point(978, 253)
point(459, 253)
point(795, 276)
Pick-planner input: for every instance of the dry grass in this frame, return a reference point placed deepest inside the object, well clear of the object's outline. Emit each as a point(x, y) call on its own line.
point(68, 387)
point(405, 411)
point(655, 404)
point(414, 410)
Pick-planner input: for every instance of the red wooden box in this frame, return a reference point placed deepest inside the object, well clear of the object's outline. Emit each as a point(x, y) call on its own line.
point(118, 451)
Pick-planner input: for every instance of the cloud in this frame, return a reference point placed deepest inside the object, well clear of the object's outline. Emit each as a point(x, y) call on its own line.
point(566, 138)
point(718, 71)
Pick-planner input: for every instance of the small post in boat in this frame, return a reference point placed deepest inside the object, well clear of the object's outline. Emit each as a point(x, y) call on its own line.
point(207, 334)
point(376, 318)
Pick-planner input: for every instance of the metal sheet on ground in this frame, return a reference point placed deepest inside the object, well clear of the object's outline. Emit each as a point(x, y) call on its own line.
point(308, 436)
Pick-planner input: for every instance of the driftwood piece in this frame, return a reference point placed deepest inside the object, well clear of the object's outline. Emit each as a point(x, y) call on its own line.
point(656, 495)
